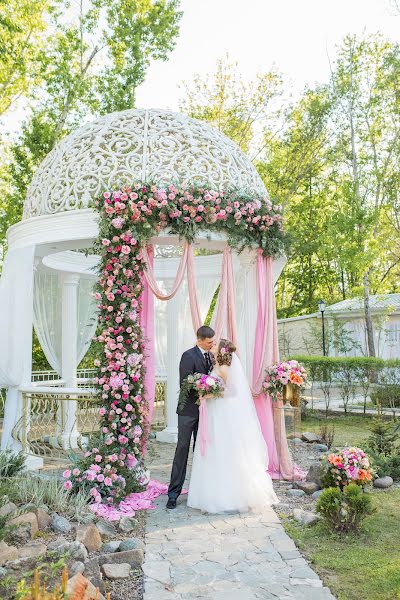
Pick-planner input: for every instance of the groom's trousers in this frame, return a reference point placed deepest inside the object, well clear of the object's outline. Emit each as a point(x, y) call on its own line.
point(186, 426)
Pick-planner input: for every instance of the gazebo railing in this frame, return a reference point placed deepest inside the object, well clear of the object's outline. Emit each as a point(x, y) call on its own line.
point(46, 428)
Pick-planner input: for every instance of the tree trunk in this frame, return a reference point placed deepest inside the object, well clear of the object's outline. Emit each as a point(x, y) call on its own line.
point(368, 319)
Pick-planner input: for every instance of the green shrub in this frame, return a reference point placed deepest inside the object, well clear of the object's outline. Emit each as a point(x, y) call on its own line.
point(344, 510)
point(11, 463)
point(383, 437)
point(386, 395)
point(387, 465)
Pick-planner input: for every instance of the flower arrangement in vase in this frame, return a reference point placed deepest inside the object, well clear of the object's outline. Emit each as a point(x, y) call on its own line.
point(285, 381)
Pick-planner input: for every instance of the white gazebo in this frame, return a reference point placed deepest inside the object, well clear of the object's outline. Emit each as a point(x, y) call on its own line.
point(47, 279)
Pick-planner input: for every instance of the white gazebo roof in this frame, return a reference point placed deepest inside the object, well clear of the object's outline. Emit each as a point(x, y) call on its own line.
point(155, 146)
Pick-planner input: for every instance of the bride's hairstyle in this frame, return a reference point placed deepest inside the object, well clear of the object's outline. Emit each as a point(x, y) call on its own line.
point(224, 355)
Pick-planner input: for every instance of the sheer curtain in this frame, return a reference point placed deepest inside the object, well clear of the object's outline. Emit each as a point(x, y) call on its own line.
point(47, 310)
point(16, 286)
point(206, 285)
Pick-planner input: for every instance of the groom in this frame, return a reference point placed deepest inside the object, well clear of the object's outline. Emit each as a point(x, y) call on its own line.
point(195, 360)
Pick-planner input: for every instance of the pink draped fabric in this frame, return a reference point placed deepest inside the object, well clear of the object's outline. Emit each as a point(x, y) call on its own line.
point(146, 319)
point(133, 502)
point(193, 300)
point(266, 352)
point(151, 280)
point(226, 317)
point(203, 426)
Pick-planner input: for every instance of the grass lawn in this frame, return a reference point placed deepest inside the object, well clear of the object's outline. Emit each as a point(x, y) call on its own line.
point(349, 430)
point(365, 566)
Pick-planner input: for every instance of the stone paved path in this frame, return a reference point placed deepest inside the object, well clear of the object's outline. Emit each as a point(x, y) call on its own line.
point(221, 557)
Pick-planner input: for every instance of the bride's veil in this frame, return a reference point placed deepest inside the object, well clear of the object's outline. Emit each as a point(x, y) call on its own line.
point(239, 393)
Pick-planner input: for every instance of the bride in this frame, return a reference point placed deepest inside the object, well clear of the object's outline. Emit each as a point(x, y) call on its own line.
point(229, 474)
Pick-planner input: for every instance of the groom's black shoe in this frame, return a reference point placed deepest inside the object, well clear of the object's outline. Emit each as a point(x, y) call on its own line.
point(171, 503)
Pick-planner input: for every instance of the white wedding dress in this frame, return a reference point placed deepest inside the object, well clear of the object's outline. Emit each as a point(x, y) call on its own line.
point(231, 475)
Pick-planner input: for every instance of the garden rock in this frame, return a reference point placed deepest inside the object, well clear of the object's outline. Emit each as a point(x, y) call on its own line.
point(43, 519)
point(133, 557)
point(296, 493)
point(114, 572)
point(60, 524)
point(314, 474)
point(316, 494)
point(126, 524)
point(32, 550)
point(7, 553)
point(383, 482)
point(77, 551)
point(321, 447)
point(8, 509)
point(309, 487)
point(89, 536)
point(106, 528)
point(293, 434)
point(79, 581)
point(111, 547)
point(55, 544)
point(310, 437)
point(305, 517)
point(27, 522)
point(131, 544)
point(76, 567)
point(297, 440)
point(92, 572)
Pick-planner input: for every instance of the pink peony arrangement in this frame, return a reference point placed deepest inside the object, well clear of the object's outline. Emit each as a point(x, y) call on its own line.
point(281, 374)
point(350, 465)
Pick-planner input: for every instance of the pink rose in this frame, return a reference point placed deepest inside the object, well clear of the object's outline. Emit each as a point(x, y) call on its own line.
point(67, 485)
point(67, 474)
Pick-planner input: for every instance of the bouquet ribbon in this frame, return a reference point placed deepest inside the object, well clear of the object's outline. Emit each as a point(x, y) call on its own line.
point(203, 426)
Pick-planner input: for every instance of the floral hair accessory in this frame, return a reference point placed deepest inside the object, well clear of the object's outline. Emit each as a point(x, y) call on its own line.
point(224, 350)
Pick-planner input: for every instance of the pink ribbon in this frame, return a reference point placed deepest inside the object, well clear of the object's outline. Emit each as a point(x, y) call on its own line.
point(203, 426)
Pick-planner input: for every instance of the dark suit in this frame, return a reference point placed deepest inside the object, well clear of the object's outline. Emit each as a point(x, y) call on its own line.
point(192, 361)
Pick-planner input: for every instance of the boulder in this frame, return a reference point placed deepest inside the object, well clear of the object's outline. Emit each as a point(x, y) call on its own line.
point(310, 437)
point(8, 509)
point(305, 517)
point(383, 482)
point(296, 493)
point(43, 518)
point(55, 544)
point(131, 544)
point(314, 474)
point(116, 571)
point(316, 494)
point(7, 553)
point(293, 434)
point(60, 524)
point(92, 572)
point(127, 524)
point(27, 521)
point(90, 537)
point(133, 557)
point(111, 547)
point(106, 528)
point(309, 487)
point(77, 583)
point(321, 447)
point(76, 567)
point(35, 549)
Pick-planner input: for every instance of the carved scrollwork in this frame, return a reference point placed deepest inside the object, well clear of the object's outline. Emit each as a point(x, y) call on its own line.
point(137, 145)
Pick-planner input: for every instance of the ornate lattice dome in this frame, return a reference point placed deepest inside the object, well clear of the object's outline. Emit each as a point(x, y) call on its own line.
point(157, 146)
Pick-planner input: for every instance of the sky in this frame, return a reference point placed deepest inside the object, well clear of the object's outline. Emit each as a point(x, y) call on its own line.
point(297, 36)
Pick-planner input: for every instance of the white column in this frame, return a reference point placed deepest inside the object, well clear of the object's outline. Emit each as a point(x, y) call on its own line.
point(70, 282)
point(170, 433)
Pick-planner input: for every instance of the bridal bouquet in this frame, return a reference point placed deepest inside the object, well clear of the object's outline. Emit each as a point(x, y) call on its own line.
point(280, 374)
point(201, 384)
